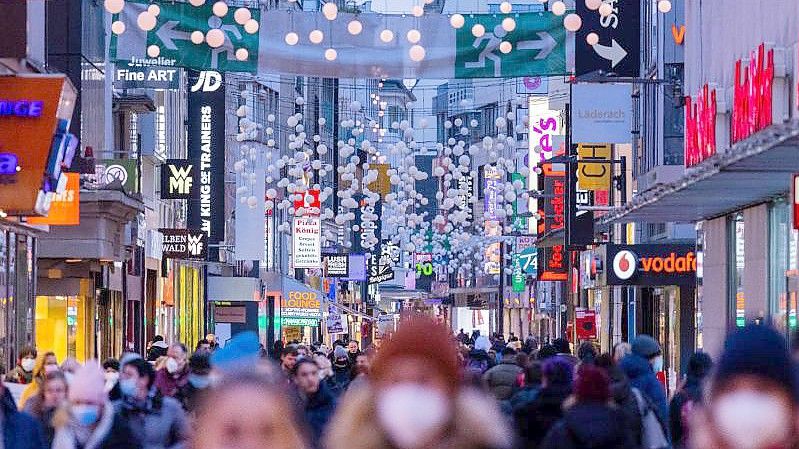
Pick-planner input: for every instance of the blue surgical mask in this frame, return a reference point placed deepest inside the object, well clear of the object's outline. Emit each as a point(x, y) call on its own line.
point(127, 387)
point(657, 364)
point(198, 381)
point(85, 414)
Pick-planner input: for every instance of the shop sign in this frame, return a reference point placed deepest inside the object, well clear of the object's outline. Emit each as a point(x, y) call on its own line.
point(544, 125)
point(579, 223)
point(593, 175)
point(492, 250)
point(554, 203)
point(382, 184)
point(306, 243)
point(651, 264)
point(184, 244)
point(601, 113)
point(532, 85)
point(528, 259)
point(310, 203)
point(700, 126)
point(178, 180)
point(336, 265)
point(301, 304)
point(619, 48)
point(115, 174)
point(586, 323)
point(492, 180)
point(64, 207)
point(334, 322)
point(518, 206)
point(136, 76)
point(292, 321)
point(553, 263)
point(206, 150)
point(795, 192)
point(367, 218)
point(465, 185)
point(752, 94)
point(230, 314)
point(381, 266)
point(518, 280)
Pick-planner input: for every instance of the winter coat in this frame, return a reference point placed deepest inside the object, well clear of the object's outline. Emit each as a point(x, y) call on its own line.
point(20, 430)
point(590, 426)
point(160, 421)
point(524, 396)
point(170, 384)
point(534, 420)
point(319, 408)
point(19, 376)
point(340, 380)
point(502, 379)
point(476, 424)
point(689, 395)
point(643, 378)
point(157, 350)
point(112, 432)
point(624, 398)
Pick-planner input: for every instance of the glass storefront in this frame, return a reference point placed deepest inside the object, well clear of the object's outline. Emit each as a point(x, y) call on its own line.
point(736, 263)
point(17, 284)
point(783, 267)
point(190, 305)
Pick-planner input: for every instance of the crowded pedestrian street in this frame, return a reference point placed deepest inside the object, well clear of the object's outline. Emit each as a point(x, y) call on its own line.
point(399, 224)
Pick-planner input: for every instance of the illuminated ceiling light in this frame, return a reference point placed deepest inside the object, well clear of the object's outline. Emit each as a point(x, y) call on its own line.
point(220, 9)
point(593, 5)
point(315, 36)
point(414, 36)
point(559, 8)
point(505, 47)
point(242, 54)
point(197, 2)
point(153, 51)
point(242, 15)
point(417, 53)
point(664, 6)
point(478, 30)
point(330, 10)
point(146, 21)
point(355, 27)
point(386, 35)
point(592, 38)
point(114, 6)
point(197, 37)
point(331, 54)
point(118, 27)
point(154, 10)
point(572, 22)
point(417, 11)
point(605, 10)
point(505, 7)
point(508, 24)
point(215, 37)
point(457, 21)
point(251, 26)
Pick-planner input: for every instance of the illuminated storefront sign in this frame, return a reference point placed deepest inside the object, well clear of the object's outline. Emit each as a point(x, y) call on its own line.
point(302, 304)
point(492, 179)
point(64, 207)
point(700, 126)
point(21, 108)
point(184, 244)
point(178, 180)
point(752, 94)
point(651, 264)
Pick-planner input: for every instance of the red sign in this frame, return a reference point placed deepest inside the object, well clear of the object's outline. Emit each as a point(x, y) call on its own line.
point(796, 201)
point(310, 203)
point(552, 263)
point(752, 96)
point(586, 323)
point(700, 126)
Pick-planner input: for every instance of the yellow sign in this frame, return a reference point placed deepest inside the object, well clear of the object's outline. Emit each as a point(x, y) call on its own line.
point(382, 184)
point(596, 175)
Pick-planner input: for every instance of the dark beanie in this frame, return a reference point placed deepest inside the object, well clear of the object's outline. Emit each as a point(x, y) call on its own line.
point(592, 384)
point(759, 351)
point(645, 346)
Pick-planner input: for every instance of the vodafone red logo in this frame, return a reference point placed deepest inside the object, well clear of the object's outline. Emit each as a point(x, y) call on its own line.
point(624, 264)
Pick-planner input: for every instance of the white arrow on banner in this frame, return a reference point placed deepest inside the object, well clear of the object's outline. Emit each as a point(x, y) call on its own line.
point(615, 53)
point(545, 45)
point(168, 34)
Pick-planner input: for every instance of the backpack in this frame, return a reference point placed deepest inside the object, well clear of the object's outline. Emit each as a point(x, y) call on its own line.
point(477, 367)
point(653, 435)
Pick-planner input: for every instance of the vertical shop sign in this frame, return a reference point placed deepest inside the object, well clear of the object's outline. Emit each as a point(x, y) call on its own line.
point(206, 150)
point(519, 222)
point(593, 169)
point(518, 279)
point(492, 179)
point(579, 223)
point(619, 48)
point(795, 192)
point(307, 243)
point(752, 94)
point(65, 206)
point(700, 126)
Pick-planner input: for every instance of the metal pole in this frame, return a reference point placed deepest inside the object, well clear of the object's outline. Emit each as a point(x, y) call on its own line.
point(500, 297)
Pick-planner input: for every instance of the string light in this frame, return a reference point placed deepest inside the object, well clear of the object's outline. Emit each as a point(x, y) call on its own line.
point(457, 21)
point(478, 30)
point(118, 27)
point(114, 6)
point(292, 38)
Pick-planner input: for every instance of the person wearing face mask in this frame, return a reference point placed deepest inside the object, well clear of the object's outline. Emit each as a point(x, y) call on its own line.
point(175, 373)
point(342, 371)
point(159, 421)
point(111, 367)
point(199, 381)
point(44, 405)
point(23, 372)
point(640, 366)
point(752, 398)
point(45, 363)
point(88, 419)
point(18, 430)
point(317, 400)
point(415, 399)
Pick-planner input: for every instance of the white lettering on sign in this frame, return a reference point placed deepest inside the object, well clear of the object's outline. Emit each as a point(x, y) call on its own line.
point(205, 168)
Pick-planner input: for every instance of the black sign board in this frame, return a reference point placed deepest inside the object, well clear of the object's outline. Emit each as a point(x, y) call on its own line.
point(184, 244)
point(579, 223)
point(206, 150)
point(336, 265)
point(381, 264)
point(650, 265)
point(619, 48)
point(178, 180)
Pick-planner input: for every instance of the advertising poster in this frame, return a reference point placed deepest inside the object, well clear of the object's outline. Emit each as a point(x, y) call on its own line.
point(306, 243)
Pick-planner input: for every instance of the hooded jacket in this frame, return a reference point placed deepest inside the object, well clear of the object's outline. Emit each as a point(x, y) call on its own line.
point(160, 422)
point(319, 408)
point(643, 378)
point(590, 426)
point(534, 420)
point(20, 430)
point(111, 432)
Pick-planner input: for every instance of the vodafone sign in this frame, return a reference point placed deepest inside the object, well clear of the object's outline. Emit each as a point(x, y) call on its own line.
point(651, 264)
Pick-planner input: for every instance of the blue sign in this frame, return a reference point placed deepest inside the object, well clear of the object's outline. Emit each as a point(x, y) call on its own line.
point(529, 261)
point(22, 108)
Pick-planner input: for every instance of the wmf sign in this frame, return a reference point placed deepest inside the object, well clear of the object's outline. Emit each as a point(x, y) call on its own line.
point(184, 244)
point(178, 180)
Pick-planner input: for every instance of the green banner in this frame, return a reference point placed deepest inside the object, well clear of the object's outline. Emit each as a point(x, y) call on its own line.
point(519, 223)
point(518, 279)
point(528, 259)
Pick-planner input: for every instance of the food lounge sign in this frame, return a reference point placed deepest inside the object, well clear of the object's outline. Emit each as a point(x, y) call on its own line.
point(651, 265)
point(301, 304)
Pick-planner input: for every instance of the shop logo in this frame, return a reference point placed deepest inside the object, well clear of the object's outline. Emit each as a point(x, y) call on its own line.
point(195, 244)
point(208, 81)
point(180, 180)
point(624, 264)
point(116, 173)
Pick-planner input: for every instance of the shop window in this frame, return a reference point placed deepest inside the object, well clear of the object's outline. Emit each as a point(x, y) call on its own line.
point(783, 272)
point(736, 261)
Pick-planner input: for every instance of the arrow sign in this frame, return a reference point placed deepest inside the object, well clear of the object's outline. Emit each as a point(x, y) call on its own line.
point(615, 53)
point(546, 44)
point(168, 34)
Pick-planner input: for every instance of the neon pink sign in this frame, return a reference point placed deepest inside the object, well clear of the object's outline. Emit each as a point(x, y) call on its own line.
point(752, 96)
point(700, 126)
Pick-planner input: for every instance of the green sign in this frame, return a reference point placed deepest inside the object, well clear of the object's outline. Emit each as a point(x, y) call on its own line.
point(172, 35)
point(528, 260)
point(518, 279)
point(116, 174)
point(297, 321)
point(519, 223)
point(538, 46)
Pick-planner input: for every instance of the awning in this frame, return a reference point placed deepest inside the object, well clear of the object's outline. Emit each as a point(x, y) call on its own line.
point(751, 172)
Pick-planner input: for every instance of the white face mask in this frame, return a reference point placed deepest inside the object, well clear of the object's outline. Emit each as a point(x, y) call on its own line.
point(657, 364)
point(171, 365)
point(412, 414)
point(28, 364)
point(750, 420)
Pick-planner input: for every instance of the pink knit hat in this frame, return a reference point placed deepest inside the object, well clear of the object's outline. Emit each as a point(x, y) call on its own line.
point(88, 384)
